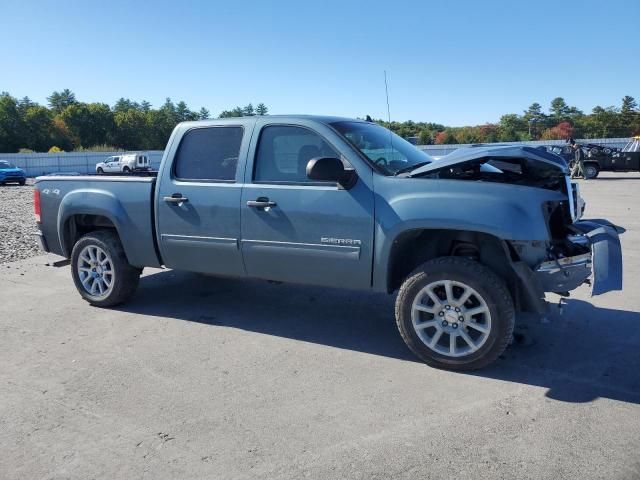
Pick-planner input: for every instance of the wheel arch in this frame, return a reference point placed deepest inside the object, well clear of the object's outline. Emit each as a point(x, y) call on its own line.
point(77, 217)
point(413, 247)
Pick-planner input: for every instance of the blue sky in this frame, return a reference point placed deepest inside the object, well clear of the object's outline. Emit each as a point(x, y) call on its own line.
point(452, 62)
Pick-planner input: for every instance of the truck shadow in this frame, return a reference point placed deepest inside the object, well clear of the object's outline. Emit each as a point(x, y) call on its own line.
point(586, 353)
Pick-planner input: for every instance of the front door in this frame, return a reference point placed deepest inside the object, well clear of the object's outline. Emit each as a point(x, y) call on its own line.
point(297, 230)
point(198, 200)
point(112, 164)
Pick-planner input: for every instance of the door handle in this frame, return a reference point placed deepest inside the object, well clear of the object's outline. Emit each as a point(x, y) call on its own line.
point(176, 199)
point(261, 202)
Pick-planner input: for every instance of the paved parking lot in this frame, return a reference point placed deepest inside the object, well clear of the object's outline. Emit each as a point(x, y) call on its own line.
point(201, 377)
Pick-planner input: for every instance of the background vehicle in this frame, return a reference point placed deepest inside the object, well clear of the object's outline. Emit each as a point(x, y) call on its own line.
point(597, 158)
point(9, 173)
point(129, 162)
point(466, 241)
point(563, 151)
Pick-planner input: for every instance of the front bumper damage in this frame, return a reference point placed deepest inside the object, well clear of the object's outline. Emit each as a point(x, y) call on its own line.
point(602, 264)
point(598, 262)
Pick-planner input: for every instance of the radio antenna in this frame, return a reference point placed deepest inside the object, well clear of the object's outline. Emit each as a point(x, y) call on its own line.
point(386, 90)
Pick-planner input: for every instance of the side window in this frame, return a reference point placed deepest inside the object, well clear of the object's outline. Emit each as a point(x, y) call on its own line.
point(208, 154)
point(284, 151)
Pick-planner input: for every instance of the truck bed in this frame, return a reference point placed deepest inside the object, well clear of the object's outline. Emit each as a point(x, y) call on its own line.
point(126, 202)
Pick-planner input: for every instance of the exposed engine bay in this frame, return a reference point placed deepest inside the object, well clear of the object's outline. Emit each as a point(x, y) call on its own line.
point(515, 171)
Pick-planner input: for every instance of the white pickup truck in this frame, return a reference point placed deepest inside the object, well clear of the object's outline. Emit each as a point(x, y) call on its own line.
point(124, 163)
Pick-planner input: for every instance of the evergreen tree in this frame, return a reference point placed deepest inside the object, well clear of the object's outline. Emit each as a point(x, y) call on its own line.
point(248, 110)
point(58, 101)
point(262, 109)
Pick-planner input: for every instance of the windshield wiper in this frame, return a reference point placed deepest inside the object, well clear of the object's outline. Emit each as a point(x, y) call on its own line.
point(411, 168)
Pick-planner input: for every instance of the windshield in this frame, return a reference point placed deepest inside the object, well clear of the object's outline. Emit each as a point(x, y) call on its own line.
point(632, 146)
point(386, 150)
point(5, 164)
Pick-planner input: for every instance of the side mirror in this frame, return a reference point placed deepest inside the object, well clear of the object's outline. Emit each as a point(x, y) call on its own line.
point(328, 169)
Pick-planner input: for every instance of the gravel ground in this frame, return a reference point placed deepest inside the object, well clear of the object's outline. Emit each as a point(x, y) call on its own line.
point(17, 223)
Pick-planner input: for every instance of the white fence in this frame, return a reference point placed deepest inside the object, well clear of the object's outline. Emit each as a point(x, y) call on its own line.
point(68, 162)
point(85, 162)
point(442, 150)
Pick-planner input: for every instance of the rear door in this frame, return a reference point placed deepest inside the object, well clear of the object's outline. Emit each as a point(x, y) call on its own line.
point(198, 198)
point(315, 233)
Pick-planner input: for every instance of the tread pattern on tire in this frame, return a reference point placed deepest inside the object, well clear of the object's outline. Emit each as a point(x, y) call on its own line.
point(490, 279)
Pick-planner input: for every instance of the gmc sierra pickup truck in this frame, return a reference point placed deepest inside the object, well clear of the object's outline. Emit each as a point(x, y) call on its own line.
point(466, 241)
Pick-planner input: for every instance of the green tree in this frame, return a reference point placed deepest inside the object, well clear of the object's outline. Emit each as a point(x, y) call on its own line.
point(425, 137)
point(11, 125)
point(248, 110)
point(559, 108)
point(89, 124)
point(124, 104)
point(512, 128)
point(58, 101)
point(204, 114)
point(536, 119)
point(629, 116)
point(38, 128)
point(130, 131)
point(262, 109)
point(603, 122)
point(183, 114)
point(24, 104)
point(236, 112)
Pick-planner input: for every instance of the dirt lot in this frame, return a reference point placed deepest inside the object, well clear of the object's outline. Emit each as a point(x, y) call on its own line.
point(17, 223)
point(200, 377)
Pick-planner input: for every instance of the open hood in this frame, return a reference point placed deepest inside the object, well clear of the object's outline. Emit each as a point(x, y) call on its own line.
point(515, 165)
point(484, 154)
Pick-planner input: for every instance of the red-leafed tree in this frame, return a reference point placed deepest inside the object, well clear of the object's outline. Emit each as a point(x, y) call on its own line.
point(562, 131)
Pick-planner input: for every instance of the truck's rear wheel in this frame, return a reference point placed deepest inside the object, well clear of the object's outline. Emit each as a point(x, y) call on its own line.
point(100, 269)
point(455, 313)
point(126, 170)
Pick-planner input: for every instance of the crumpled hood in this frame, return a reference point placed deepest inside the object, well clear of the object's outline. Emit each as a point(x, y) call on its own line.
point(473, 154)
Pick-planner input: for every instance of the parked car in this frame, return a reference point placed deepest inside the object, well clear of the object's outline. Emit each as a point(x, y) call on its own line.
point(126, 163)
point(9, 173)
point(466, 241)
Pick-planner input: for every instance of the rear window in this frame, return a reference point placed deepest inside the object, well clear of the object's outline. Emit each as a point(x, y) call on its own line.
point(209, 153)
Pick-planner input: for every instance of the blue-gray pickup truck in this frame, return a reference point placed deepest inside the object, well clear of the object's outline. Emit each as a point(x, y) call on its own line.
point(467, 241)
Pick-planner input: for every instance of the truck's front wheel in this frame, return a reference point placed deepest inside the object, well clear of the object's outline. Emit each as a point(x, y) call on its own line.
point(101, 271)
point(455, 313)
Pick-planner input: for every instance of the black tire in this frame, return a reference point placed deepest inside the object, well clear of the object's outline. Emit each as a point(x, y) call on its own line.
point(22, 183)
point(486, 283)
point(126, 170)
point(100, 171)
point(591, 170)
point(125, 279)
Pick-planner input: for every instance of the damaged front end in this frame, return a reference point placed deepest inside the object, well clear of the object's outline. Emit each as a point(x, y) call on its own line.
point(580, 251)
point(576, 251)
point(590, 253)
